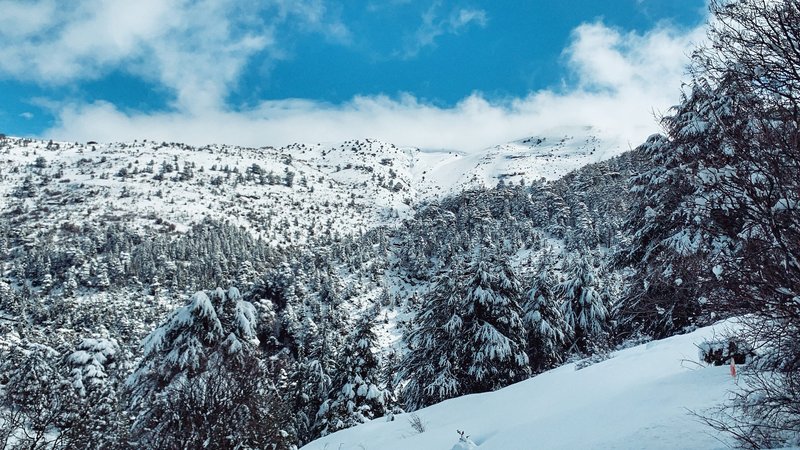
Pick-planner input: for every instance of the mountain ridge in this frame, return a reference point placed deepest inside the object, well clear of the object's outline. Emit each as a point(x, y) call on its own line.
point(381, 180)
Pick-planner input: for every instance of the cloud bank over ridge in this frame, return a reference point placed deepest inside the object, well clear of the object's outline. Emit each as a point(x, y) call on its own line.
point(616, 81)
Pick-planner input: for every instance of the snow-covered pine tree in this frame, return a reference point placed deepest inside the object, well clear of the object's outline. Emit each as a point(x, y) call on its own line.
point(494, 333)
point(37, 405)
point(663, 296)
point(558, 212)
point(200, 365)
point(583, 233)
point(95, 369)
point(312, 383)
point(433, 365)
point(358, 395)
point(8, 303)
point(585, 308)
point(544, 320)
point(318, 335)
point(469, 336)
point(70, 286)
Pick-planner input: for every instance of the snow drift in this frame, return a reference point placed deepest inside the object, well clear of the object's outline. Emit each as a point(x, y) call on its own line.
point(642, 397)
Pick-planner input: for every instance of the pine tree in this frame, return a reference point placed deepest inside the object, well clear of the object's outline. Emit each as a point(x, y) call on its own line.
point(37, 406)
point(70, 283)
point(433, 365)
point(662, 297)
point(585, 308)
point(469, 337)
point(324, 353)
point(95, 369)
point(201, 365)
point(7, 298)
point(495, 335)
point(358, 395)
point(312, 385)
point(547, 330)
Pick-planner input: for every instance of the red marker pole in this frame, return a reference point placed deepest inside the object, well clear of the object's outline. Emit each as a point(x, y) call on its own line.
point(733, 368)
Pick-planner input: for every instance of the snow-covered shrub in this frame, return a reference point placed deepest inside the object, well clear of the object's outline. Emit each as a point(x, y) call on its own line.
point(416, 423)
point(464, 442)
point(721, 352)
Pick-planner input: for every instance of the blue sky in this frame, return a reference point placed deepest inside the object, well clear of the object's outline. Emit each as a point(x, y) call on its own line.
point(435, 74)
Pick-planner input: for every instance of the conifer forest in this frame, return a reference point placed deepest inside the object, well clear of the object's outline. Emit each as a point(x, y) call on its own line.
point(167, 296)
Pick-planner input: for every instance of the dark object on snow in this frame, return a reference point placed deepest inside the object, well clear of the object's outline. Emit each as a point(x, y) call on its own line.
point(91, 143)
point(720, 352)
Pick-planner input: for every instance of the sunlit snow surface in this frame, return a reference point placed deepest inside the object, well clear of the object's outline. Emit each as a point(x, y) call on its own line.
point(382, 183)
point(549, 155)
point(641, 398)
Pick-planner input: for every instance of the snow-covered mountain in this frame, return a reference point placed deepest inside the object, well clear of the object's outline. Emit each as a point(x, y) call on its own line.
point(641, 397)
point(102, 240)
point(278, 193)
point(359, 295)
point(549, 155)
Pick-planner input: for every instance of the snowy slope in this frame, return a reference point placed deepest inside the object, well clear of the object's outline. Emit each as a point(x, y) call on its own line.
point(638, 399)
point(344, 188)
point(549, 155)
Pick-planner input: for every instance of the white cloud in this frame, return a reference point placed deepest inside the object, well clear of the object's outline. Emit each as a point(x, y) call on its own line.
point(195, 48)
point(27, 115)
point(26, 19)
point(622, 80)
point(460, 18)
point(316, 17)
point(434, 26)
point(604, 58)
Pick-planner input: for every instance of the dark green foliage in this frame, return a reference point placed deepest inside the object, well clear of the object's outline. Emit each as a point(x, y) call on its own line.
point(547, 330)
point(358, 393)
point(201, 365)
point(585, 306)
point(469, 337)
point(433, 365)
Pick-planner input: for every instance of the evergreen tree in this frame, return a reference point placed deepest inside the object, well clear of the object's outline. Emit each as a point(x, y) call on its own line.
point(37, 406)
point(312, 384)
point(663, 296)
point(70, 283)
point(469, 337)
point(201, 365)
point(95, 369)
point(8, 302)
point(547, 330)
point(495, 335)
point(358, 395)
point(433, 365)
point(585, 308)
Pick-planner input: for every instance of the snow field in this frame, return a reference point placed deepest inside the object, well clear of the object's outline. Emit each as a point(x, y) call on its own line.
point(641, 398)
